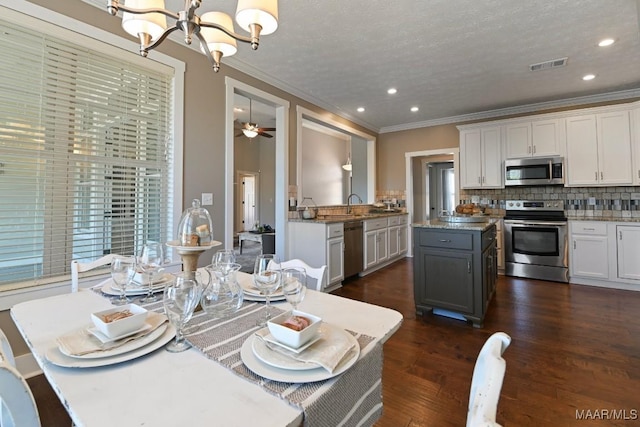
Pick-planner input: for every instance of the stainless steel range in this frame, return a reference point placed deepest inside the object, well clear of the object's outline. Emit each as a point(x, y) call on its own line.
point(536, 240)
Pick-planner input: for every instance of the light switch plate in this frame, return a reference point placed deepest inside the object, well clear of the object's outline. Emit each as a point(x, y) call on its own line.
point(207, 199)
point(475, 199)
point(592, 201)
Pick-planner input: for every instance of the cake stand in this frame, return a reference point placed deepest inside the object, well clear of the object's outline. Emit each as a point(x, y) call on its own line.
point(191, 254)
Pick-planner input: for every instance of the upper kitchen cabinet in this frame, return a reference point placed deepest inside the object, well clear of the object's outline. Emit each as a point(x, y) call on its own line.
point(481, 158)
point(599, 149)
point(540, 138)
point(635, 144)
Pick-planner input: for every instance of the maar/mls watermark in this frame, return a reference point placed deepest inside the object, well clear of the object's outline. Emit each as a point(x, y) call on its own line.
point(607, 414)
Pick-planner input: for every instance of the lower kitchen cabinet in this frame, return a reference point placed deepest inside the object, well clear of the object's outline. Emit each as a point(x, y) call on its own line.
point(319, 244)
point(455, 269)
point(385, 241)
point(589, 250)
point(628, 245)
point(605, 253)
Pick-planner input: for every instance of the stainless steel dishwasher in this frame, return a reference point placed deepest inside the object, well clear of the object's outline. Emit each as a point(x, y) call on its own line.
point(353, 257)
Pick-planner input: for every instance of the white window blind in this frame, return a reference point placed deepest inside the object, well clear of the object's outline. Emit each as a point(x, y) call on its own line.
point(85, 155)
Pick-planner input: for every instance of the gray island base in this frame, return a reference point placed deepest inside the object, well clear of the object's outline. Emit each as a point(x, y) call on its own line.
point(454, 268)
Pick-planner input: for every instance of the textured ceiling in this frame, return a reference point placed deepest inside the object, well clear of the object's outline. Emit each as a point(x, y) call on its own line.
point(451, 58)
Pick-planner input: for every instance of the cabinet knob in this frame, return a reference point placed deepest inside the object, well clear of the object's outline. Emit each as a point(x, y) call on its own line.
point(601, 175)
point(468, 267)
point(445, 241)
point(596, 175)
point(534, 149)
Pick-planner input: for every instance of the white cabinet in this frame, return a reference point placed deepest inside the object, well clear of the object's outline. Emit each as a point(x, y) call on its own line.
point(398, 236)
point(589, 251)
point(628, 249)
point(541, 138)
point(481, 158)
point(317, 244)
point(385, 240)
point(635, 144)
point(599, 149)
point(335, 257)
point(376, 250)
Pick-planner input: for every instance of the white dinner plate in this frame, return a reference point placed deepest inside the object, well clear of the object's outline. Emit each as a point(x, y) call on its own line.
point(105, 339)
point(246, 282)
point(110, 288)
point(55, 356)
point(279, 360)
point(124, 348)
point(292, 376)
point(272, 340)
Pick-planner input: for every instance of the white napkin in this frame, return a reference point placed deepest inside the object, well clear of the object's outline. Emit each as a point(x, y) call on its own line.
point(81, 341)
point(327, 352)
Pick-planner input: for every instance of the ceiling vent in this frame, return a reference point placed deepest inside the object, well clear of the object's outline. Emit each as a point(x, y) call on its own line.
point(554, 63)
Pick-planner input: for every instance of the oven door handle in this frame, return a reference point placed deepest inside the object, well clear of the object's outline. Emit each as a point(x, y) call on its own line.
point(525, 223)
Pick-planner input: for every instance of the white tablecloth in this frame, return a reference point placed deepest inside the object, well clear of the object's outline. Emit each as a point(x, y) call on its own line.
point(169, 389)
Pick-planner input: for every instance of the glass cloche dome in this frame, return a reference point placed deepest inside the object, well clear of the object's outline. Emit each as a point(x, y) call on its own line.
point(195, 228)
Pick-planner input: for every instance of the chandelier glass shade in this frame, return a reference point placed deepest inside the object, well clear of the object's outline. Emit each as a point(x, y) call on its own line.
point(147, 21)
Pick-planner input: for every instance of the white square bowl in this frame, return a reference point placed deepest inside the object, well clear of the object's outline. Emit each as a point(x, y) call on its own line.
point(291, 337)
point(122, 326)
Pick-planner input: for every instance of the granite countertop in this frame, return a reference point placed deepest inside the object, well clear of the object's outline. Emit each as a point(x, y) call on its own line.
point(602, 218)
point(475, 226)
point(328, 219)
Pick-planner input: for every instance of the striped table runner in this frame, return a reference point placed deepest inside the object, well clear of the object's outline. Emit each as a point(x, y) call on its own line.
point(353, 398)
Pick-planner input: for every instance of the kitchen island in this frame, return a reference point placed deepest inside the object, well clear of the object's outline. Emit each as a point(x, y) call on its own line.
point(455, 268)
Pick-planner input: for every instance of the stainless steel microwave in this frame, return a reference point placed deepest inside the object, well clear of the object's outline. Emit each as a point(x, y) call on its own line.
point(534, 171)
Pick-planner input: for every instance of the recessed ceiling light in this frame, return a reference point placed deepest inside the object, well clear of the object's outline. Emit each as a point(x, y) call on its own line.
point(392, 91)
point(360, 110)
point(589, 77)
point(606, 42)
point(414, 109)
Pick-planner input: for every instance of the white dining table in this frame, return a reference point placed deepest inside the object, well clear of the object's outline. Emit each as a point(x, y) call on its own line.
point(172, 389)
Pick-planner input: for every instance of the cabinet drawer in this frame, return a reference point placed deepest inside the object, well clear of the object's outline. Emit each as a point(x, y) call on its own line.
point(589, 227)
point(403, 220)
point(394, 220)
point(375, 224)
point(335, 230)
point(446, 240)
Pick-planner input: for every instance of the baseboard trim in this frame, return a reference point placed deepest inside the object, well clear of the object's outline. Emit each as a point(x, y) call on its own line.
point(27, 365)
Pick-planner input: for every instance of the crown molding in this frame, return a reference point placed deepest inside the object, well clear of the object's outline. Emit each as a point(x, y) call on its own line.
point(527, 108)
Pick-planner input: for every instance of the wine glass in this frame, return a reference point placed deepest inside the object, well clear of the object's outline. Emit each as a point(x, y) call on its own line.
point(266, 277)
point(226, 256)
point(150, 262)
point(122, 272)
point(294, 285)
point(180, 299)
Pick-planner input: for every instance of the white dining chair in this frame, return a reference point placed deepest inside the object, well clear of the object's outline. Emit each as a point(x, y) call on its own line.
point(81, 267)
point(315, 273)
point(17, 404)
point(486, 382)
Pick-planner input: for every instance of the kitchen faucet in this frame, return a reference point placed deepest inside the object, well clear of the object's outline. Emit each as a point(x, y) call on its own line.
point(349, 202)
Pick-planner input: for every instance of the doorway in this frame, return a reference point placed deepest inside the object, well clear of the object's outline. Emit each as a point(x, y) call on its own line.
point(248, 208)
point(415, 192)
point(440, 178)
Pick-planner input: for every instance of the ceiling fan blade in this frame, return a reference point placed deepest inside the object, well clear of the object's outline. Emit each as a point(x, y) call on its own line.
point(266, 135)
point(266, 129)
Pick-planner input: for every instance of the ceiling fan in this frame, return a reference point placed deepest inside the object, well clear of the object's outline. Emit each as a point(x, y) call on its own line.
point(251, 130)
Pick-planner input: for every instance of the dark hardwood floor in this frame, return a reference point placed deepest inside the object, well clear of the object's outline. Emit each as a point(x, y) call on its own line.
point(574, 348)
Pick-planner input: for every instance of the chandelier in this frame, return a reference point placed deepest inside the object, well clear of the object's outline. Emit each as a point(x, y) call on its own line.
point(146, 20)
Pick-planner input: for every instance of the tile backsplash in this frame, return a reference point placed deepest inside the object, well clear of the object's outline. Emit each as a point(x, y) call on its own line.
point(580, 202)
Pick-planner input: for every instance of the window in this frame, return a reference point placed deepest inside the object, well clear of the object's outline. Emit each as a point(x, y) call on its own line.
point(86, 154)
